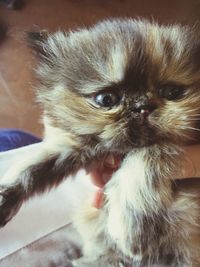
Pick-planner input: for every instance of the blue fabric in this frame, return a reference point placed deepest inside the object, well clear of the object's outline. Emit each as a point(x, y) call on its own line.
point(13, 138)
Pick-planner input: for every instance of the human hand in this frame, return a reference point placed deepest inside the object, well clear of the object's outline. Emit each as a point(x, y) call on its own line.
point(190, 163)
point(101, 173)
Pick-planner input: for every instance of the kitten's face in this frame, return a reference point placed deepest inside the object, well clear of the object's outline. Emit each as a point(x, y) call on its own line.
point(122, 84)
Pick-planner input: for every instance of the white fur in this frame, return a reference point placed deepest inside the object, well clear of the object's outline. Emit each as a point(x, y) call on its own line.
point(118, 62)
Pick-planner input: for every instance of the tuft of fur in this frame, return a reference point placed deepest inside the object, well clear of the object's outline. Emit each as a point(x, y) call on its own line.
point(154, 71)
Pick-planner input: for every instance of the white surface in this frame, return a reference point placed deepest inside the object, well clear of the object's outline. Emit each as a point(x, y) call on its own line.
point(43, 214)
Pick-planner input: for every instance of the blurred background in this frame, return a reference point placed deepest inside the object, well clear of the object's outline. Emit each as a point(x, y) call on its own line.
point(18, 108)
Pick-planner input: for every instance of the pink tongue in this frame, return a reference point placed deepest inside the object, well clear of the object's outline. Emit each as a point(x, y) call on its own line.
point(97, 200)
point(100, 176)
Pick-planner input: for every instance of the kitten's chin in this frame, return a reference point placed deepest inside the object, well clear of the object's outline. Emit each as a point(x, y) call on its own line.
point(145, 143)
point(146, 135)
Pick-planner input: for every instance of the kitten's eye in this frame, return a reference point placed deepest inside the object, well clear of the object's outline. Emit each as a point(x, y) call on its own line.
point(107, 100)
point(171, 92)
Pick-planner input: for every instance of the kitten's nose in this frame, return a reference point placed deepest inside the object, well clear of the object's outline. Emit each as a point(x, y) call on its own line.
point(144, 110)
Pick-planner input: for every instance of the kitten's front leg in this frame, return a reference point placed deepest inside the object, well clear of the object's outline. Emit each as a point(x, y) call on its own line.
point(139, 192)
point(36, 172)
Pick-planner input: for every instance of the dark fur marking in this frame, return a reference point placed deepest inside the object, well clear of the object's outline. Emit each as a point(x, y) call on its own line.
point(46, 175)
point(12, 198)
point(36, 41)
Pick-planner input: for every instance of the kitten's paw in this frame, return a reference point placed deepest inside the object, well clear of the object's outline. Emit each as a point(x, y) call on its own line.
point(11, 199)
point(72, 251)
point(100, 262)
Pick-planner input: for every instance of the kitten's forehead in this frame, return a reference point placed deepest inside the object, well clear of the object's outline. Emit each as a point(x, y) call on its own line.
point(107, 54)
point(120, 51)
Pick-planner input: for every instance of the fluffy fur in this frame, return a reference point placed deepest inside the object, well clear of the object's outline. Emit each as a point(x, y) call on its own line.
point(150, 78)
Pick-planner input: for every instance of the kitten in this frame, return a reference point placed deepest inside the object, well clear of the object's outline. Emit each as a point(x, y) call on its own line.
point(129, 89)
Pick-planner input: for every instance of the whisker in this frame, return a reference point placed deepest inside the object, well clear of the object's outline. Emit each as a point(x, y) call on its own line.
point(191, 128)
point(194, 115)
point(186, 136)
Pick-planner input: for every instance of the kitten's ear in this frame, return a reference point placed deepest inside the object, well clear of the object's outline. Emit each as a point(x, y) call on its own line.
point(37, 41)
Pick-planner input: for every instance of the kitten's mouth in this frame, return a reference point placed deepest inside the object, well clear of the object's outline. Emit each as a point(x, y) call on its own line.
point(101, 173)
point(102, 170)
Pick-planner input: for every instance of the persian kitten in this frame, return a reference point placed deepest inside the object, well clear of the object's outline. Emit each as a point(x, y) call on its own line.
point(128, 89)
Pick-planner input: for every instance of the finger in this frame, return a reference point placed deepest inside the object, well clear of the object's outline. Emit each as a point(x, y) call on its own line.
point(190, 163)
